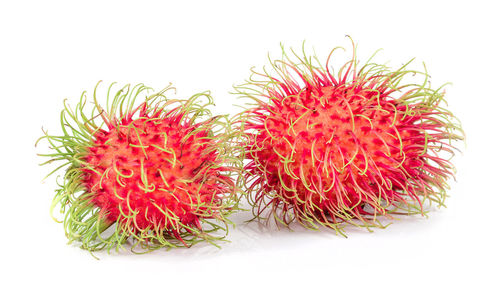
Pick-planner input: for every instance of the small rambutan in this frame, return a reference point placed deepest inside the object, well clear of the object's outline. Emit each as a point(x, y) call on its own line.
point(334, 149)
point(157, 174)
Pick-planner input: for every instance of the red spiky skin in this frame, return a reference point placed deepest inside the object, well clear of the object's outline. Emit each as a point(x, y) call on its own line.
point(152, 167)
point(339, 150)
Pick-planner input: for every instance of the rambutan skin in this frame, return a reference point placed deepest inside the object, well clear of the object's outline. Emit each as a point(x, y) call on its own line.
point(331, 150)
point(157, 174)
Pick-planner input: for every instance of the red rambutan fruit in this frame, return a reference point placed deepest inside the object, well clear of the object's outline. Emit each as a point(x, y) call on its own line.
point(157, 174)
point(334, 149)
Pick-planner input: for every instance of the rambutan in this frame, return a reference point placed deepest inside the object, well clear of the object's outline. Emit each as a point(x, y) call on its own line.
point(346, 148)
point(157, 174)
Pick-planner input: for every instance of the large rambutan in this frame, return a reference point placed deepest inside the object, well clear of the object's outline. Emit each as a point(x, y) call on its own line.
point(334, 149)
point(157, 174)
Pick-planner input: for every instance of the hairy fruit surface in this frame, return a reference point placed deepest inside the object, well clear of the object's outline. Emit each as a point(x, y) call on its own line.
point(347, 147)
point(156, 174)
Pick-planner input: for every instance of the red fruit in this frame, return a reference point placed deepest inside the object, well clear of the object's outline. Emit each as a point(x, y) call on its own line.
point(327, 149)
point(157, 171)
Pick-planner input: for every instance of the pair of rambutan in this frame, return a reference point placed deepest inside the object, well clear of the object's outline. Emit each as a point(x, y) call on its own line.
point(322, 149)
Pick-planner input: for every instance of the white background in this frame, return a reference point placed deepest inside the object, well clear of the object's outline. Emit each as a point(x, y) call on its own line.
point(53, 50)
